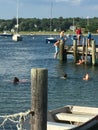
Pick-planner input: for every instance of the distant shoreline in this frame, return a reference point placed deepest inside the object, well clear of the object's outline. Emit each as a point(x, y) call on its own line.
point(47, 33)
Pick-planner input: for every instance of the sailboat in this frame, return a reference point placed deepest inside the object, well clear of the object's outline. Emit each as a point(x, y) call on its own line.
point(17, 36)
point(51, 39)
point(73, 28)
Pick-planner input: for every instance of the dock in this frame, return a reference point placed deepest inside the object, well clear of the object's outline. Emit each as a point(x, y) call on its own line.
point(78, 51)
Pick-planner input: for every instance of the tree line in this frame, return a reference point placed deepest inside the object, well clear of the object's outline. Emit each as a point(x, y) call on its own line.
point(47, 24)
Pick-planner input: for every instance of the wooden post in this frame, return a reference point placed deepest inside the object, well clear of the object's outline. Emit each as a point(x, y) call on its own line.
point(83, 46)
point(39, 83)
point(86, 52)
point(93, 53)
point(75, 50)
point(62, 56)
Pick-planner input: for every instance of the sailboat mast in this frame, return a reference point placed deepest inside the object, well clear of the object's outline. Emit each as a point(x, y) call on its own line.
point(73, 25)
point(17, 15)
point(51, 18)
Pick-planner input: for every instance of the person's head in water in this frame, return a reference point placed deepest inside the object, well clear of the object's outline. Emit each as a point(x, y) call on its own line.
point(65, 75)
point(16, 80)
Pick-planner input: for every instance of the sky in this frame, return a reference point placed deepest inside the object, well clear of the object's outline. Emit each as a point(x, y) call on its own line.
point(42, 8)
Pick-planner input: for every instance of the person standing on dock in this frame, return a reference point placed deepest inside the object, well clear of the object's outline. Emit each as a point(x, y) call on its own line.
point(62, 36)
point(57, 44)
point(89, 38)
point(78, 33)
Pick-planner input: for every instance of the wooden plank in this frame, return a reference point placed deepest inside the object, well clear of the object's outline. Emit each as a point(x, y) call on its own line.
point(85, 110)
point(73, 117)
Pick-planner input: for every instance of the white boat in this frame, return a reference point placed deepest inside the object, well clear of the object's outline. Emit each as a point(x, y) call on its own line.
point(17, 36)
point(6, 34)
point(73, 118)
point(51, 40)
point(70, 118)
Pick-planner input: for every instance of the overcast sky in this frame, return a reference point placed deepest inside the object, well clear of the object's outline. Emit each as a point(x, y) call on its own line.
point(42, 8)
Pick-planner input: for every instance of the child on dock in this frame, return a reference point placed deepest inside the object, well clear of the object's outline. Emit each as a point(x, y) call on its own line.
point(62, 36)
point(57, 43)
point(78, 33)
point(89, 38)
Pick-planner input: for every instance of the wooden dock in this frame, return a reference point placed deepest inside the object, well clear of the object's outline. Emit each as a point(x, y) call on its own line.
point(80, 51)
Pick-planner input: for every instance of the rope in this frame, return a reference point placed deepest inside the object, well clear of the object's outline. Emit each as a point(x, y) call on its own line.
point(18, 119)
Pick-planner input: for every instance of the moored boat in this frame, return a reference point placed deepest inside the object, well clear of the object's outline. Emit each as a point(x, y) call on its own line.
point(17, 37)
point(73, 118)
point(51, 40)
point(5, 34)
point(70, 118)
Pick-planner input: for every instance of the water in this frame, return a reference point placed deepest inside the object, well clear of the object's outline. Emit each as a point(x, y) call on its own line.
point(18, 58)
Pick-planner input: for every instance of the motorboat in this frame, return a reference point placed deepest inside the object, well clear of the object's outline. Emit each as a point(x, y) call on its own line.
point(51, 40)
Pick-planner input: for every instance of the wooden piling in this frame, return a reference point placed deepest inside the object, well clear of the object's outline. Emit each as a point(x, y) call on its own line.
point(93, 53)
point(75, 50)
point(62, 53)
point(86, 51)
point(83, 48)
point(39, 83)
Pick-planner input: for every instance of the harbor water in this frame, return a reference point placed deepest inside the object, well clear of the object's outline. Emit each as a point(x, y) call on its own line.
point(18, 58)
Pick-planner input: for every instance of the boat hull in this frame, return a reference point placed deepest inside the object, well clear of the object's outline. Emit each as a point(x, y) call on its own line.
point(51, 40)
point(6, 35)
point(73, 118)
point(17, 37)
point(70, 118)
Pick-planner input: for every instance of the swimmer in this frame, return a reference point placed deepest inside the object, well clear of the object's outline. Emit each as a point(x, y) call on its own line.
point(86, 77)
point(80, 62)
point(65, 76)
point(16, 80)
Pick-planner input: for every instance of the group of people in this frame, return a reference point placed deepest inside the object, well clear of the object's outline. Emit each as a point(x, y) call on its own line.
point(79, 35)
point(80, 61)
point(86, 76)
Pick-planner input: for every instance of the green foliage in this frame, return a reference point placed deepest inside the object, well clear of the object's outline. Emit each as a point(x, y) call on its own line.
point(57, 24)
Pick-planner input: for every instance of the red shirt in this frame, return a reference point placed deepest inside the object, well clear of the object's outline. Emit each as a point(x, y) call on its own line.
point(78, 31)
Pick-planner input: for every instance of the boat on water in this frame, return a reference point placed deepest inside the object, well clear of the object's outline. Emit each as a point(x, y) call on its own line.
point(70, 118)
point(6, 34)
point(51, 40)
point(17, 36)
point(73, 118)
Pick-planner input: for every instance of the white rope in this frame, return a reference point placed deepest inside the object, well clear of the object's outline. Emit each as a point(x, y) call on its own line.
point(16, 115)
point(21, 117)
point(2, 124)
